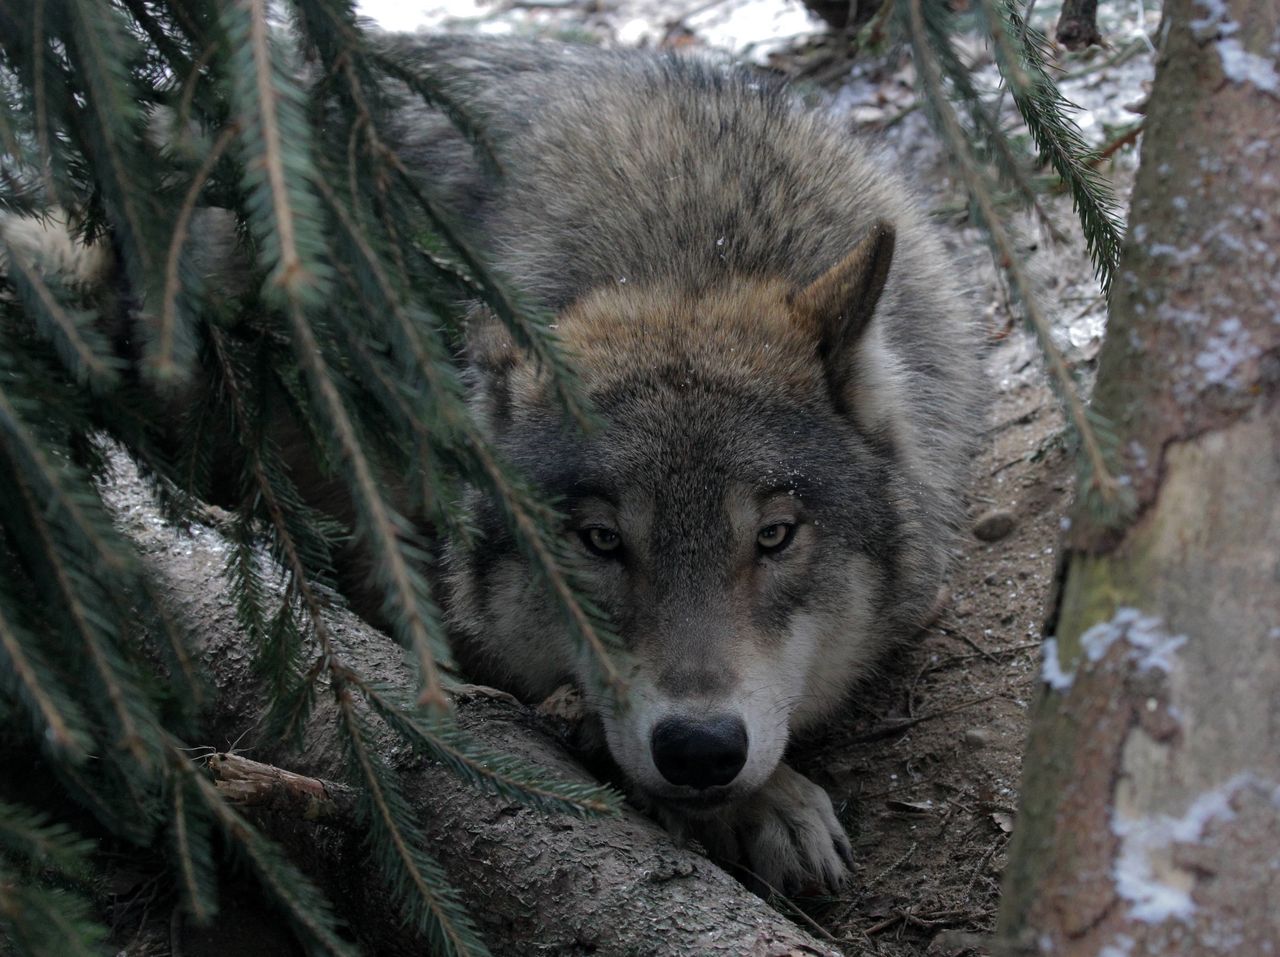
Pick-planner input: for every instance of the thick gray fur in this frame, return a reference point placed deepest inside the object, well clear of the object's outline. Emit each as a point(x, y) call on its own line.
point(678, 197)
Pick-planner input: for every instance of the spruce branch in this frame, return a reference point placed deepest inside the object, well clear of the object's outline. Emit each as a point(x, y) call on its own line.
point(80, 346)
point(193, 853)
point(412, 611)
point(97, 634)
point(101, 48)
point(245, 579)
point(1101, 479)
point(984, 118)
point(446, 394)
point(548, 562)
point(62, 493)
point(58, 720)
point(499, 774)
point(190, 688)
point(40, 103)
point(1022, 55)
point(277, 156)
point(434, 93)
point(42, 919)
point(397, 843)
point(171, 348)
point(532, 333)
point(21, 191)
point(304, 905)
point(35, 837)
point(169, 48)
point(299, 573)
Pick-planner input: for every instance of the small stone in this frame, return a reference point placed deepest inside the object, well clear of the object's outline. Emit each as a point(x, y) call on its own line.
point(977, 738)
point(993, 525)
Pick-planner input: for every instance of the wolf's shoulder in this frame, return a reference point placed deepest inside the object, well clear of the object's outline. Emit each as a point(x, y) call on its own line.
point(639, 167)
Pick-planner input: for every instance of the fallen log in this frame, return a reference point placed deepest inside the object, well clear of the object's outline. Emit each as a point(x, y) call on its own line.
point(534, 883)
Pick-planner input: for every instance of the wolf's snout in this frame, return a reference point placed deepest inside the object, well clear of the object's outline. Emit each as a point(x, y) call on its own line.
point(700, 754)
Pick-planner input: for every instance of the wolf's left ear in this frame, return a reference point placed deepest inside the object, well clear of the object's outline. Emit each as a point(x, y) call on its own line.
point(839, 304)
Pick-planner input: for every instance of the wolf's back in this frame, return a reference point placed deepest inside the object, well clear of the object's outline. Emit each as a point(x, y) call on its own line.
point(623, 167)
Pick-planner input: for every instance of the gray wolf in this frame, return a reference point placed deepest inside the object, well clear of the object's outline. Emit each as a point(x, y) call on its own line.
point(788, 375)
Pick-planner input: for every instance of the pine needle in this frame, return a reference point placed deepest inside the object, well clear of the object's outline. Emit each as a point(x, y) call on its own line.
point(58, 719)
point(1101, 479)
point(491, 771)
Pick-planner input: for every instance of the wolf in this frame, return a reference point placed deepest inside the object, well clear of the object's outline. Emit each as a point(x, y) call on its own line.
point(787, 375)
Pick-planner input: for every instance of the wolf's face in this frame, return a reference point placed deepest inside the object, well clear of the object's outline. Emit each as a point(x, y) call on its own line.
point(734, 518)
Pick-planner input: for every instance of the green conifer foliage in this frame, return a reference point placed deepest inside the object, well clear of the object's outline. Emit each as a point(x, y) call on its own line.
point(151, 130)
point(986, 160)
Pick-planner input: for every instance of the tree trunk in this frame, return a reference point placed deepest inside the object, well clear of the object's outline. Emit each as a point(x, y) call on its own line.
point(1078, 25)
point(1150, 818)
point(534, 884)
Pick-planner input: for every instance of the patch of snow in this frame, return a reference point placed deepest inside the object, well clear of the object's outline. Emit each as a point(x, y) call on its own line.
point(1228, 347)
point(1051, 670)
point(1121, 946)
point(1152, 646)
point(396, 15)
point(1217, 17)
point(1180, 256)
point(1138, 453)
point(1241, 66)
point(1144, 873)
point(1238, 64)
point(755, 28)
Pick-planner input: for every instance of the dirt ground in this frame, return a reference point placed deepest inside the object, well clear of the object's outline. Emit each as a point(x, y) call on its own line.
point(924, 769)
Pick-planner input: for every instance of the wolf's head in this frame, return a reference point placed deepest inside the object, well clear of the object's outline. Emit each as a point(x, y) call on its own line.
point(736, 517)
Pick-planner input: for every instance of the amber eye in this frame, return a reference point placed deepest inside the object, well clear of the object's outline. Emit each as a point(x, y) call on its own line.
point(774, 538)
point(601, 541)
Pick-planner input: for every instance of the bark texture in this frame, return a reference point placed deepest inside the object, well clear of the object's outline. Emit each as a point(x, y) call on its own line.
point(1078, 25)
point(1150, 820)
point(534, 884)
point(842, 14)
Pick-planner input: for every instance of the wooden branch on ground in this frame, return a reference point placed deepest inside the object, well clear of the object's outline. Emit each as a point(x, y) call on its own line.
point(271, 790)
point(534, 884)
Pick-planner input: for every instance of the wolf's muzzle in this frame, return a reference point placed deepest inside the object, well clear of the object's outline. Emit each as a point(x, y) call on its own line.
point(700, 753)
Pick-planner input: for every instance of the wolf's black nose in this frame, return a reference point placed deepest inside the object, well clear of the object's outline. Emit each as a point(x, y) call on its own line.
point(700, 754)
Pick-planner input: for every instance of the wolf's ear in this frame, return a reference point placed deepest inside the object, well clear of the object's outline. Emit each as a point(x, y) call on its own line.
point(490, 349)
point(491, 355)
point(839, 304)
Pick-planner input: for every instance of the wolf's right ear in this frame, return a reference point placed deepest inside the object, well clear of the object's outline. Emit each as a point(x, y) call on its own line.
point(839, 304)
point(490, 349)
point(491, 355)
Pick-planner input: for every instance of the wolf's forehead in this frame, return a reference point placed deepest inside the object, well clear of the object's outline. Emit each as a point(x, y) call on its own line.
point(742, 330)
point(692, 453)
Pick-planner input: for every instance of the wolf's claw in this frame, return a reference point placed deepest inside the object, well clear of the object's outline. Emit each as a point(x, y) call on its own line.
point(783, 838)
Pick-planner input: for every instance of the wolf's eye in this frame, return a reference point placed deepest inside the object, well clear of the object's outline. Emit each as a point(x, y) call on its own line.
point(774, 538)
point(601, 541)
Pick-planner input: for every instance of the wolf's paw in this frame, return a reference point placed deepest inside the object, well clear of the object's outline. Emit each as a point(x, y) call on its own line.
point(784, 838)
